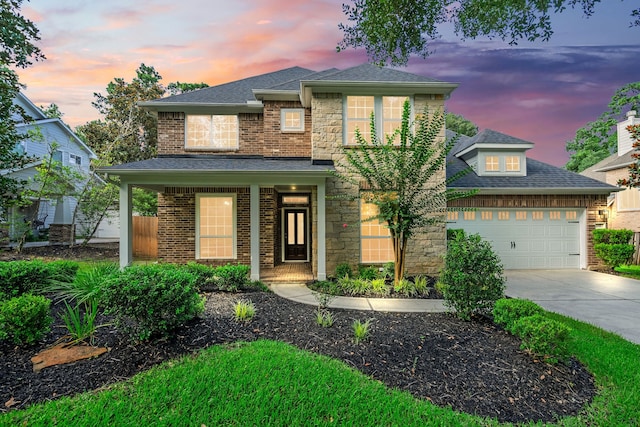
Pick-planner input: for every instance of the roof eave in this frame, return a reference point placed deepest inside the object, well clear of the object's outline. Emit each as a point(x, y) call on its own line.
point(276, 95)
point(202, 107)
point(540, 191)
point(614, 167)
point(307, 88)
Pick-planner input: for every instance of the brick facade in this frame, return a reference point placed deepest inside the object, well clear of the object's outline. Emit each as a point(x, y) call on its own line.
point(592, 203)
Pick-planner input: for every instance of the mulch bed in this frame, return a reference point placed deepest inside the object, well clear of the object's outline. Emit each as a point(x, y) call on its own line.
point(474, 367)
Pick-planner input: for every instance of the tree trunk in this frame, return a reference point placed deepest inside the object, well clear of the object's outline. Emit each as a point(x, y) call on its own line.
point(399, 252)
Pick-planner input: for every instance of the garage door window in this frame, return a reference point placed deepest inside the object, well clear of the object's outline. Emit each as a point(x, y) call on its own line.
point(537, 215)
point(503, 216)
point(452, 216)
point(470, 216)
point(521, 215)
point(487, 215)
point(571, 215)
point(555, 215)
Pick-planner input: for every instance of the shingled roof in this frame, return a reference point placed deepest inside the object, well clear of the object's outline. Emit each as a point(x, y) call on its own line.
point(540, 178)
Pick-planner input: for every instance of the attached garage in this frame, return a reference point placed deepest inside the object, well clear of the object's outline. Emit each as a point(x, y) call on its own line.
point(527, 238)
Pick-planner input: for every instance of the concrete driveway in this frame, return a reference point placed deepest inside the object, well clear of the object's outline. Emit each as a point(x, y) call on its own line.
point(609, 302)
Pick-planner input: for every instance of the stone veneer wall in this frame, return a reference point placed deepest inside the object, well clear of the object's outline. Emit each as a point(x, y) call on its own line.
point(342, 216)
point(177, 222)
point(593, 203)
point(62, 233)
point(629, 219)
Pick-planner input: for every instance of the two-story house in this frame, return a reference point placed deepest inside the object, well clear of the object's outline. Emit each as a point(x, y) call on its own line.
point(56, 215)
point(243, 173)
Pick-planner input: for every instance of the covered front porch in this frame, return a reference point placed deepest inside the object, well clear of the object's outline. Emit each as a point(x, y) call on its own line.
point(266, 224)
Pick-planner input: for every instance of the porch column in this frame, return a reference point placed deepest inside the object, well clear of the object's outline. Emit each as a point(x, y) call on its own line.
point(126, 228)
point(322, 221)
point(255, 231)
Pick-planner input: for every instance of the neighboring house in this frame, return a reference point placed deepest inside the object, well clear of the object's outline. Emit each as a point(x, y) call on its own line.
point(243, 173)
point(536, 215)
point(53, 214)
point(623, 210)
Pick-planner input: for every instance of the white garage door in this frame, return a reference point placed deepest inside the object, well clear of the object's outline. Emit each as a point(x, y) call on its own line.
point(526, 239)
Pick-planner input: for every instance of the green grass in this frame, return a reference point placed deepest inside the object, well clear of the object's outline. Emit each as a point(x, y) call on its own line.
point(273, 383)
point(632, 271)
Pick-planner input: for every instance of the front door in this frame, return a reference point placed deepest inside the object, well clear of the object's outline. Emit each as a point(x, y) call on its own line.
point(295, 235)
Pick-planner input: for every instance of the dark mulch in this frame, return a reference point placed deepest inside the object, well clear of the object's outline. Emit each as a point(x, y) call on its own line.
point(473, 367)
point(97, 252)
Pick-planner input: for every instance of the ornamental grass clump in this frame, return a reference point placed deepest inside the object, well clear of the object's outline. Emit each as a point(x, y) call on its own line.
point(244, 310)
point(361, 330)
point(473, 277)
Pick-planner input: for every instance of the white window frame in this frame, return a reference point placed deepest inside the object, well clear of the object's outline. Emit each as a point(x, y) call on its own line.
point(378, 237)
point(75, 160)
point(378, 115)
point(283, 119)
point(234, 235)
point(486, 163)
point(212, 146)
point(509, 166)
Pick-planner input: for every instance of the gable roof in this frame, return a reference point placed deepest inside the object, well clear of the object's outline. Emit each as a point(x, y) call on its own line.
point(298, 83)
point(541, 178)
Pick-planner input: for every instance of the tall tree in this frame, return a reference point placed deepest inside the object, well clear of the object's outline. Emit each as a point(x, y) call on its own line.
point(393, 30)
point(405, 180)
point(598, 139)
point(176, 88)
point(130, 132)
point(18, 36)
point(460, 125)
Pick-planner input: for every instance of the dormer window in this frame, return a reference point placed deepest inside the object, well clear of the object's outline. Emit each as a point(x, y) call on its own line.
point(512, 163)
point(492, 164)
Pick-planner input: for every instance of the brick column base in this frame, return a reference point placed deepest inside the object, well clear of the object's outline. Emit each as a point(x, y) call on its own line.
point(62, 233)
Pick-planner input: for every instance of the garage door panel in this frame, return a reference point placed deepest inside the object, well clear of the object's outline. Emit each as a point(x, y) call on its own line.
point(538, 239)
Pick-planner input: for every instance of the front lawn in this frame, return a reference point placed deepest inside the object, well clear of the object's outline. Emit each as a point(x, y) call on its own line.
point(273, 383)
point(631, 271)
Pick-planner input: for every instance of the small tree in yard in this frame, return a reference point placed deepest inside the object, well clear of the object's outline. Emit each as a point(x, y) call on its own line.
point(403, 176)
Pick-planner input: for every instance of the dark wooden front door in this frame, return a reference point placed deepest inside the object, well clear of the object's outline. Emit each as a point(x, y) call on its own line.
point(295, 235)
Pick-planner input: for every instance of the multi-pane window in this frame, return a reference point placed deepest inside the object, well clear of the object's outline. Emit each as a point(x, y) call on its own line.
point(487, 215)
point(216, 226)
point(218, 132)
point(387, 111)
point(537, 215)
point(452, 216)
point(512, 163)
point(491, 164)
point(75, 160)
point(469, 215)
point(555, 215)
point(503, 215)
point(375, 239)
point(571, 215)
point(292, 120)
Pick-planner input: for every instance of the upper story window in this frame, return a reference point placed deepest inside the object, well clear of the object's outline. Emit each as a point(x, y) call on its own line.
point(292, 120)
point(357, 115)
point(512, 164)
point(75, 160)
point(492, 164)
point(207, 132)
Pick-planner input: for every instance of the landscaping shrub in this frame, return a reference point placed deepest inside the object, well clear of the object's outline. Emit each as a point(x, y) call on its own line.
point(25, 319)
point(152, 299)
point(388, 270)
point(367, 272)
point(379, 287)
point(343, 269)
point(472, 279)
point(508, 311)
point(542, 336)
point(455, 233)
point(405, 287)
point(20, 277)
point(612, 246)
point(87, 285)
point(228, 277)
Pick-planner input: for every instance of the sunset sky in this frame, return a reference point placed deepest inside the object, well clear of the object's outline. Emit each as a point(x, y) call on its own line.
point(541, 92)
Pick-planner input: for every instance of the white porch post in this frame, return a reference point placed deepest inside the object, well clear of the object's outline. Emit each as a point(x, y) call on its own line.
point(126, 227)
point(255, 231)
point(322, 248)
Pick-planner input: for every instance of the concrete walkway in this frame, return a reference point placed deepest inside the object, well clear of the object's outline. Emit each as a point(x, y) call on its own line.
point(609, 302)
point(301, 293)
